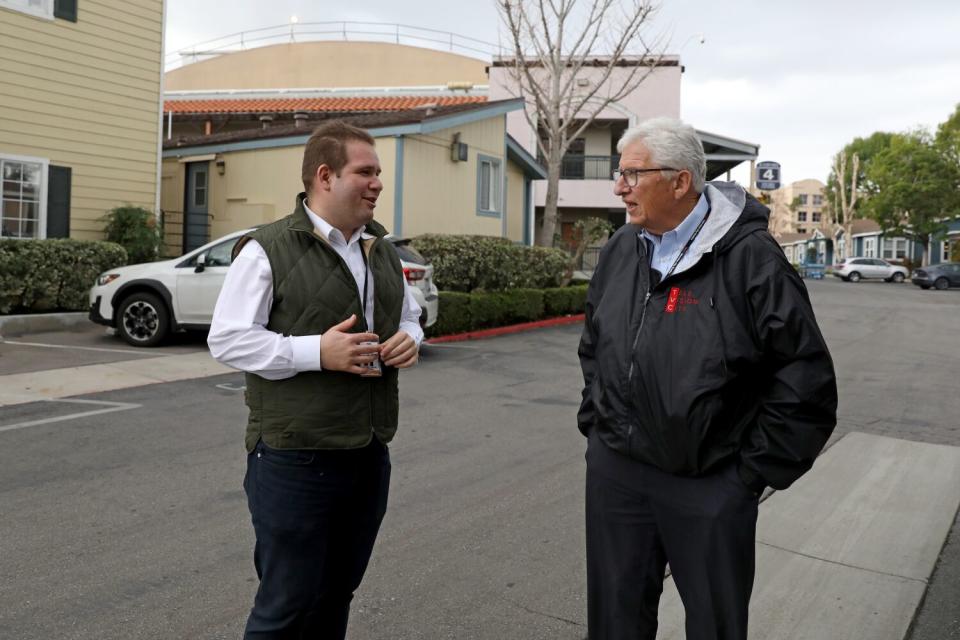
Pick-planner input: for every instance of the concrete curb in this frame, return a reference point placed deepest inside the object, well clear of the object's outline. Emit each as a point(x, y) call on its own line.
point(39, 322)
point(502, 331)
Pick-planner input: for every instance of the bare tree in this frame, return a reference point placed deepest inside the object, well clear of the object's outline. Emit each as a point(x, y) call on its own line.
point(847, 204)
point(551, 47)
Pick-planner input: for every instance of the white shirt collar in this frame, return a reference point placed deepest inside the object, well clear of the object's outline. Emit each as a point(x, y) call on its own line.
point(331, 233)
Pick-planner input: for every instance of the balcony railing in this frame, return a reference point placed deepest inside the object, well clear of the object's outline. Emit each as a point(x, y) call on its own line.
point(577, 167)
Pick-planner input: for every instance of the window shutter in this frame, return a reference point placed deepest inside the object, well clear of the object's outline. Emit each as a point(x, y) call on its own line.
point(58, 202)
point(65, 9)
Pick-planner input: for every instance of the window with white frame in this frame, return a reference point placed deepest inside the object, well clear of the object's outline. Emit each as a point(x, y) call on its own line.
point(489, 178)
point(817, 199)
point(39, 8)
point(802, 198)
point(22, 201)
point(894, 248)
point(815, 216)
point(945, 247)
point(869, 247)
point(801, 216)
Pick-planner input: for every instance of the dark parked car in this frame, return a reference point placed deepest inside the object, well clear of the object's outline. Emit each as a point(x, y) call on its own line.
point(939, 276)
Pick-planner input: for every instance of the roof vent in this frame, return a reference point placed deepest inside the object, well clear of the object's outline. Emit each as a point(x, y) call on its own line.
point(265, 120)
point(300, 119)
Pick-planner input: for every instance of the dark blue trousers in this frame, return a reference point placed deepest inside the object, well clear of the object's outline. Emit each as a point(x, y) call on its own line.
point(639, 519)
point(316, 515)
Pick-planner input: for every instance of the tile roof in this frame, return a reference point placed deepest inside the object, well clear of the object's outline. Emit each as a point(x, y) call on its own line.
point(338, 104)
point(364, 120)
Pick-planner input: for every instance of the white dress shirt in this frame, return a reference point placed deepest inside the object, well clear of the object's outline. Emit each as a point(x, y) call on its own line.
point(238, 335)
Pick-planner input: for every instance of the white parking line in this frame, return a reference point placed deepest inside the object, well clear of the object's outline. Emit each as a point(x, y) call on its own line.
point(67, 346)
point(110, 408)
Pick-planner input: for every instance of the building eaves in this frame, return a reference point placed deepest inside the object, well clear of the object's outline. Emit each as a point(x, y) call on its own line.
point(527, 162)
point(408, 122)
point(312, 105)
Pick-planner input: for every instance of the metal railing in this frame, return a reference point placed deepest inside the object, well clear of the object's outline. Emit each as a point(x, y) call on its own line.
point(588, 261)
point(340, 30)
point(578, 167)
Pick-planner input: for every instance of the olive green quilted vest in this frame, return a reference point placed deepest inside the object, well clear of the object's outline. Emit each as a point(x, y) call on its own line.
point(313, 290)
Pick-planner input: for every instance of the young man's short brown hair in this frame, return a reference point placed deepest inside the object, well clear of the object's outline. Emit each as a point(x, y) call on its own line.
point(328, 145)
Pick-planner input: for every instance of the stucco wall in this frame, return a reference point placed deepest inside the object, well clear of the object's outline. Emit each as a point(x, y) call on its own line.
point(327, 64)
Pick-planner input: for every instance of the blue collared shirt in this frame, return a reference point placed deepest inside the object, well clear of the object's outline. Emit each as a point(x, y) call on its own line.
point(667, 247)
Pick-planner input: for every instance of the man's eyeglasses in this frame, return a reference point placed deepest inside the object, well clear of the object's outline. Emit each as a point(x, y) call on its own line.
point(632, 176)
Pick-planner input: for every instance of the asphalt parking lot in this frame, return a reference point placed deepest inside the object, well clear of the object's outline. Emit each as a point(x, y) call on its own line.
point(130, 521)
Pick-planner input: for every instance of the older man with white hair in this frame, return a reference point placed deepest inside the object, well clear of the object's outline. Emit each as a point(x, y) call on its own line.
point(706, 379)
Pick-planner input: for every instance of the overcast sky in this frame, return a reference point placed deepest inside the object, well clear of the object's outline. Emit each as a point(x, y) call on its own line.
point(800, 79)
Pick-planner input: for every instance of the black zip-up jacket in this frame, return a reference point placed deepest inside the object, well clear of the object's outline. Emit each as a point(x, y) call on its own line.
point(721, 363)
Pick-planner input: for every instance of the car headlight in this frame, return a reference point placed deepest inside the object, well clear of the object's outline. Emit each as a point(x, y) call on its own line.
point(106, 278)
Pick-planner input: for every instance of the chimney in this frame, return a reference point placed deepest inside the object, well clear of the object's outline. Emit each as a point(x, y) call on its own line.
point(265, 120)
point(300, 119)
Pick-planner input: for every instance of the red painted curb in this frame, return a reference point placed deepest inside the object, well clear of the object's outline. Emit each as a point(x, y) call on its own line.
point(501, 331)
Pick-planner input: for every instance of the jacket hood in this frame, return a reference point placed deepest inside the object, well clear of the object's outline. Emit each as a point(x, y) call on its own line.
point(734, 214)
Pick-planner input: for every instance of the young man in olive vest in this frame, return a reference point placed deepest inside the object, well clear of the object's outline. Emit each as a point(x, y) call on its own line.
point(311, 306)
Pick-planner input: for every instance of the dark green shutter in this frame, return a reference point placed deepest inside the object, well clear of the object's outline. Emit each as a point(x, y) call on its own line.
point(58, 202)
point(65, 9)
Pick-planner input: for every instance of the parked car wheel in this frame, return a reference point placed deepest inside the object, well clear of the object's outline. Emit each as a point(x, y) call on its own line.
point(941, 283)
point(143, 320)
point(897, 277)
point(854, 276)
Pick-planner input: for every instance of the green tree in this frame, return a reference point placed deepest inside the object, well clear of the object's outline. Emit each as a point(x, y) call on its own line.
point(913, 187)
point(948, 136)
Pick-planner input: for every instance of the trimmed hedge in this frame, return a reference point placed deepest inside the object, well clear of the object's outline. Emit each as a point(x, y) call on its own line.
point(467, 263)
point(460, 312)
point(45, 275)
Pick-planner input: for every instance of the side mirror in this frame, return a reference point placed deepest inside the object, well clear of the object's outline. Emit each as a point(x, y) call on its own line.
point(201, 263)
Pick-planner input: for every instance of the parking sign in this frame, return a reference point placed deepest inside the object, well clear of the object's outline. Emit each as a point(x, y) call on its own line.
point(768, 176)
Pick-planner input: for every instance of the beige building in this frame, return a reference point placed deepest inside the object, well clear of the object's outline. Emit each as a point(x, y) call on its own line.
point(798, 208)
point(445, 170)
point(344, 64)
point(79, 113)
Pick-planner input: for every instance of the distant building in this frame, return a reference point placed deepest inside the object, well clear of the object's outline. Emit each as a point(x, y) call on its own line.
point(798, 208)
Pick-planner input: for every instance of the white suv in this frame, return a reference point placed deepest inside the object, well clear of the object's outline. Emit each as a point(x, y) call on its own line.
point(856, 269)
point(145, 302)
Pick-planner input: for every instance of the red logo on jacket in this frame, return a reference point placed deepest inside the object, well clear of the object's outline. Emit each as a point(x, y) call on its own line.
point(679, 299)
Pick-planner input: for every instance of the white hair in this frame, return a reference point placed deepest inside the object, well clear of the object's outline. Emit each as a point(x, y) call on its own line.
point(671, 143)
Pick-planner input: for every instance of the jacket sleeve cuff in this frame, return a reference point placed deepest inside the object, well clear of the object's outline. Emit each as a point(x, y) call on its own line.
point(753, 480)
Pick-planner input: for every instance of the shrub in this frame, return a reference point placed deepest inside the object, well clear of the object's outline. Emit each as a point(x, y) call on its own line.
point(460, 312)
point(135, 229)
point(454, 316)
point(466, 263)
point(42, 275)
point(559, 301)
